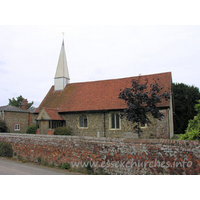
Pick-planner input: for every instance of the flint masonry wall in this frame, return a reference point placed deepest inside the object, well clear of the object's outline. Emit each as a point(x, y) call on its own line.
point(101, 122)
point(22, 118)
point(115, 155)
point(12, 118)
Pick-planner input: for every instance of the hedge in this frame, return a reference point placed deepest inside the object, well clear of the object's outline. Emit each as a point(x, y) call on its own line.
point(62, 131)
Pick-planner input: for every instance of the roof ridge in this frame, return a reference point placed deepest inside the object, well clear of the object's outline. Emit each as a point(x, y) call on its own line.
point(120, 78)
point(10, 108)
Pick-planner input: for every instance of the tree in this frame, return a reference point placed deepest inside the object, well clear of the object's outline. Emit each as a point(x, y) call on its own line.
point(193, 129)
point(142, 99)
point(18, 102)
point(3, 127)
point(185, 98)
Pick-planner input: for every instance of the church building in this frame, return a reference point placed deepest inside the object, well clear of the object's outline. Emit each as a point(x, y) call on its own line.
point(93, 108)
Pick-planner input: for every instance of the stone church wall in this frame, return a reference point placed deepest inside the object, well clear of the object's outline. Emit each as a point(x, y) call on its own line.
point(32, 118)
point(98, 125)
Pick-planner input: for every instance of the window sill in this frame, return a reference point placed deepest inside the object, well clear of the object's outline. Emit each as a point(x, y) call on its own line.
point(83, 127)
point(115, 129)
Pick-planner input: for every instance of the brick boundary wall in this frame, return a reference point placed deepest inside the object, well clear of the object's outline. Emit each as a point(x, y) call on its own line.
point(114, 155)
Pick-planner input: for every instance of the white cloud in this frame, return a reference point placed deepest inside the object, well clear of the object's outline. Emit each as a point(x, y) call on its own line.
point(29, 55)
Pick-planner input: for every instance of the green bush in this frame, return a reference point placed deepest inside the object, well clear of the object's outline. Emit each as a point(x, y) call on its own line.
point(25, 160)
point(3, 127)
point(190, 135)
point(39, 159)
point(66, 166)
point(20, 158)
point(60, 165)
point(193, 129)
point(6, 150)
point(44, 163)
point(31, 129)
point(52, 165)
point(62, 131)
point(89, 167)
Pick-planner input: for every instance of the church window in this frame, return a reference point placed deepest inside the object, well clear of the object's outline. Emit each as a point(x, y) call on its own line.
point(83, 121)
point(114, 121)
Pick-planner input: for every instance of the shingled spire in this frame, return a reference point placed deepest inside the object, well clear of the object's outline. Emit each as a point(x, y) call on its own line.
point(62, 75)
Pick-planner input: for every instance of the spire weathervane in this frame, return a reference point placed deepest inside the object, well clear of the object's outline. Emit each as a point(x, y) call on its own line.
point(63, 37)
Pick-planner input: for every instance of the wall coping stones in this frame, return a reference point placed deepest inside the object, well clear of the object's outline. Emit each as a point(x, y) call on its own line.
point(191, 143)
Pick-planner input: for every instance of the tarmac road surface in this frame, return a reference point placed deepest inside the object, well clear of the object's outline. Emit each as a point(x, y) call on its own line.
point(12, 167)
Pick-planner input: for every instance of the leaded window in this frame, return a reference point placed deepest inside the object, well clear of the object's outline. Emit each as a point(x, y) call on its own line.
point(115, 121)
point(83, 121)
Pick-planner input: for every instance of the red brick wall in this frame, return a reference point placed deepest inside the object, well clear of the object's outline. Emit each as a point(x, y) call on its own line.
point(50, 132)
point(147, 156)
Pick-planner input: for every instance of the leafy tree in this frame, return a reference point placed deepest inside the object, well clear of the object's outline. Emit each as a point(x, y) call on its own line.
point(3, 127)
point(185, 98)
point(18, 102)
point(193, 129)
point(142, 99)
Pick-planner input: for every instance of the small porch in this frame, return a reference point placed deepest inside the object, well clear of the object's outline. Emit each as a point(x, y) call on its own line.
point(48, 120)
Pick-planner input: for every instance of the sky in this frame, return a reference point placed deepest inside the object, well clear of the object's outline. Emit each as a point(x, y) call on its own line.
point(105, 40)
point(29, 55)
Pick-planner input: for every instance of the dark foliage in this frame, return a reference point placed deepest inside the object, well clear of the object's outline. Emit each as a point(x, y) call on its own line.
point(6, 150)
point(65, 166)
point(185, 99)
point(141, 101)
point(31, 129)
point(39, 159)
point(193, 130)
point(18, 102)
point(62, 131)
point(3, 127)
point(89, 167)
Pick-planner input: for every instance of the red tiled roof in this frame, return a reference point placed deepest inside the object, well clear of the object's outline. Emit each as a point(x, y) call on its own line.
point(53, 114)
point(98, 95)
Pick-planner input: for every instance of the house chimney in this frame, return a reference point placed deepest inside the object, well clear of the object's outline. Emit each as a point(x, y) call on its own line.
point(25, 104)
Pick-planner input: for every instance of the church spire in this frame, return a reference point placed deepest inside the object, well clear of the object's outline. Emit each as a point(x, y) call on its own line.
point(62, 75)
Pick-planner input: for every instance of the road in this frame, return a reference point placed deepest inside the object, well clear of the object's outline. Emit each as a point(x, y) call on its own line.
point(12, 167)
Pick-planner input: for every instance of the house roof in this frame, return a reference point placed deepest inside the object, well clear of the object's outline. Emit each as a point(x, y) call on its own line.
point(10, 108)
point(32, 109)
point(98, 95)
point(53, 113)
